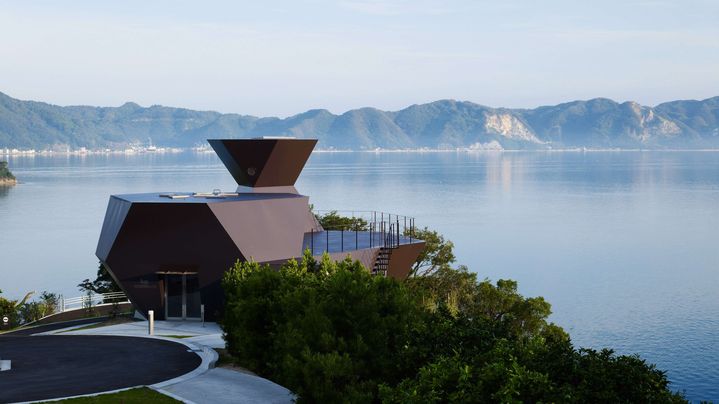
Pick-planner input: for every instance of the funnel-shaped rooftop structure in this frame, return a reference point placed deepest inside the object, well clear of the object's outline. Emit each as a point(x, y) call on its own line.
point(168, 250)
point(271, 162)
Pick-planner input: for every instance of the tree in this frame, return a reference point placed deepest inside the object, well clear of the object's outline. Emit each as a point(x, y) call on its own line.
point(35, 310)
point(50, 300)
point(504, 305)
point(8, 309)
point(5, 172)
point(497, 346)
point(31, 311)
point(452, 288)
point(438, 253)
point(334, 221)
point(103, 283)
point(27, 311)
point(331, 332)
point(328, 330)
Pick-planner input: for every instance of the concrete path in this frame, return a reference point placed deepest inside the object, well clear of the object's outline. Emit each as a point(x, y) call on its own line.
point(229, 386)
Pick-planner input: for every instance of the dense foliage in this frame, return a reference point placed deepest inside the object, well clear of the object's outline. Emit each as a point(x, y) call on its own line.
point(5, 173)
point(331, 332)
point(27, 311)
point(47, 304)
point(8, 309)
point(437, 254)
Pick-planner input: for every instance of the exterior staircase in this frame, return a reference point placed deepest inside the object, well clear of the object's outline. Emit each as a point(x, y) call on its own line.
point(381, 264)
point(391, 240)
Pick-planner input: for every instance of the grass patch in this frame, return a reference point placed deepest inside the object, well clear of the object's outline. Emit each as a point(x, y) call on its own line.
point(140, 395)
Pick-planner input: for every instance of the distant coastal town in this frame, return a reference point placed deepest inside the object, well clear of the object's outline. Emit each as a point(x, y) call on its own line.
point(137, 148)
point(86, 151)
point(66, 150)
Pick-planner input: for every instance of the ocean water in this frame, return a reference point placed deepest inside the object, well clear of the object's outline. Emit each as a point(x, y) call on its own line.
point(625, 245)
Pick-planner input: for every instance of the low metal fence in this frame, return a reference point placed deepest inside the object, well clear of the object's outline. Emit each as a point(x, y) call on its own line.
point(91, 300)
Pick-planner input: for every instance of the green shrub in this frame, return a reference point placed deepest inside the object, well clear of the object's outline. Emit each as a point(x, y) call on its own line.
point(8, 309)
point(331, 332)
point(37, 309)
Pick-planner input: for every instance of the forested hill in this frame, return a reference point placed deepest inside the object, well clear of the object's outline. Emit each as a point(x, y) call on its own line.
point(596, 123)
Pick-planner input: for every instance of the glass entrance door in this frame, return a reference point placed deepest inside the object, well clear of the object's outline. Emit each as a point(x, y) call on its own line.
point(174, 299)
point(182, 296)
point(192, 296)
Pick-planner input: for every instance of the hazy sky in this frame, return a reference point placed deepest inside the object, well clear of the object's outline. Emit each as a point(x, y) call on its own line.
point(281, 58)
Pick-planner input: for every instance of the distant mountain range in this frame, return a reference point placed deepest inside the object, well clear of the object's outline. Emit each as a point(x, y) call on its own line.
point(596, 123)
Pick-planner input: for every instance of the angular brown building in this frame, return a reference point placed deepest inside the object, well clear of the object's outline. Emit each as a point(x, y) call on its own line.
point(168, 251)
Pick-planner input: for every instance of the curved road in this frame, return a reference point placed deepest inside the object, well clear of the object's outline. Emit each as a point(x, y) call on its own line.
point(45, 367)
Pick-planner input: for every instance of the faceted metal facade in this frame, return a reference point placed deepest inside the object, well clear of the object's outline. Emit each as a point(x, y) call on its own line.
point(154, 238)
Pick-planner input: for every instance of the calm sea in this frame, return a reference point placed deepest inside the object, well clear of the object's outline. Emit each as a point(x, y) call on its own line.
point(625, 245)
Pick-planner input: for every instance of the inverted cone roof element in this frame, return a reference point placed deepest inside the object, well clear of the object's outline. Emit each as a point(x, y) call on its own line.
point(265, 162)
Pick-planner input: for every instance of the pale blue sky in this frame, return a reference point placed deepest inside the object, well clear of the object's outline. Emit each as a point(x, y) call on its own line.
point(284, 57)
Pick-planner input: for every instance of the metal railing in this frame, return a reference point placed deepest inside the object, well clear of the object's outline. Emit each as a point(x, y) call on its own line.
point(91, 300)
point(353, 230)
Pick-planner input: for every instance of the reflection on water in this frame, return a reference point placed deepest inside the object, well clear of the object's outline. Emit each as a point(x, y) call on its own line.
point(4, 190)
point(623, 244)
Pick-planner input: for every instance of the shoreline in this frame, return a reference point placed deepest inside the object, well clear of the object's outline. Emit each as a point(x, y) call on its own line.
point(82, 153)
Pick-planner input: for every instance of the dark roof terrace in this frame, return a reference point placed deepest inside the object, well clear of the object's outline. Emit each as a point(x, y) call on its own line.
point(357, 230)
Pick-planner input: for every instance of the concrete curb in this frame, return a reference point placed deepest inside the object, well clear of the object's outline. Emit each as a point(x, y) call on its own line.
point(208, 355)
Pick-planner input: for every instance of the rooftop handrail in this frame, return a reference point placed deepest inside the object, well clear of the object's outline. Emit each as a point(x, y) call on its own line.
point(359, 213)
point(360, 229)
point(364, 218)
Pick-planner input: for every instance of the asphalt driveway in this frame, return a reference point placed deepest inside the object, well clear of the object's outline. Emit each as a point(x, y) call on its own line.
point(45, 367)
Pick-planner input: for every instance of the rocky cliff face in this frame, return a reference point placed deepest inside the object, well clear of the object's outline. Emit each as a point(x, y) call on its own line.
point(509, 126)
point(596, 123)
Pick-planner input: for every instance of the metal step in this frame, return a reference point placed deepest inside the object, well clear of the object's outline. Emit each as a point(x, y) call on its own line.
point(381, 264)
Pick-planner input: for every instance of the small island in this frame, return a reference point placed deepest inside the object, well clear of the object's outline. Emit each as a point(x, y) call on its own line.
point(6, 177)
